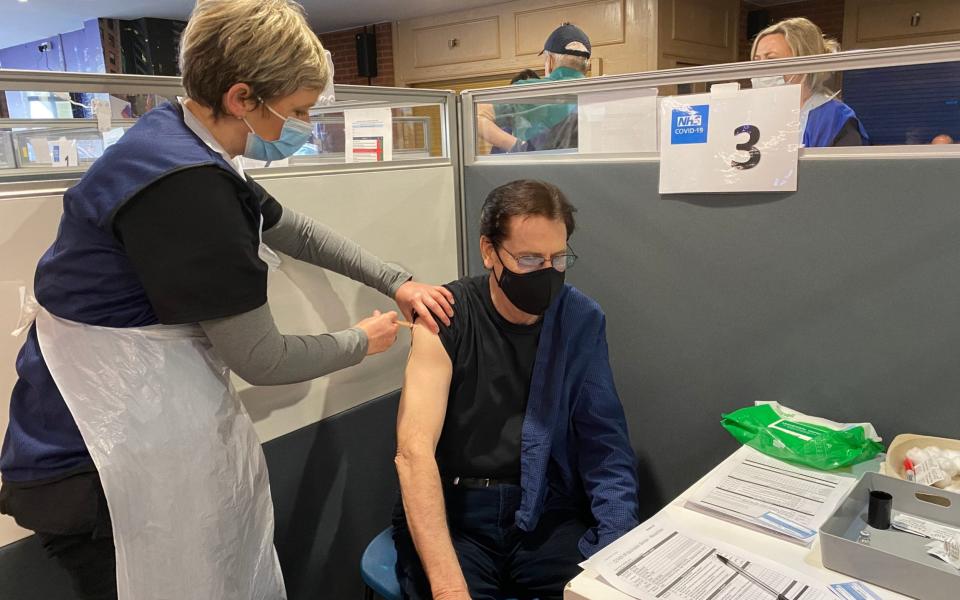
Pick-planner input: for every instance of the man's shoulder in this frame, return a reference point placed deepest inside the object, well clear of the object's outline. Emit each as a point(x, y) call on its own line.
point(467, 288)
point(468, 302)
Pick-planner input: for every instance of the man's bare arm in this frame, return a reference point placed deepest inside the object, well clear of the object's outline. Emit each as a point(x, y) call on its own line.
point(489, 131)
point(423, 407)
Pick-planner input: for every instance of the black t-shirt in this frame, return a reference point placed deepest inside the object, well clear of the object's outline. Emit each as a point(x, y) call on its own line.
point(492, 366)
point(193, 238)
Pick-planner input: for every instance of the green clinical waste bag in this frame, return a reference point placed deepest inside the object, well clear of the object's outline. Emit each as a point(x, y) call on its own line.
point(792, 436)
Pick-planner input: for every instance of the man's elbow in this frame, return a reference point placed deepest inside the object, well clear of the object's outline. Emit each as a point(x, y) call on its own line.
point(411, 459)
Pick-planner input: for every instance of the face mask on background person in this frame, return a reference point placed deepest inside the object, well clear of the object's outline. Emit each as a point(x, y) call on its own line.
point(531, 292)
point(293, 136)
point(768, 81)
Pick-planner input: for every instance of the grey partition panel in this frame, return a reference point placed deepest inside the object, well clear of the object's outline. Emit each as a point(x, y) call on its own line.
point(334, 486)
point(840, 300)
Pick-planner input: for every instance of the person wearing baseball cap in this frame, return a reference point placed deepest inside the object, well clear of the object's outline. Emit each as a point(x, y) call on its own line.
point(525, 127)
point(567, 40)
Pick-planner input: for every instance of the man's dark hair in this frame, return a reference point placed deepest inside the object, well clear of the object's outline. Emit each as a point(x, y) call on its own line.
point(523, 198)
point(524, 75)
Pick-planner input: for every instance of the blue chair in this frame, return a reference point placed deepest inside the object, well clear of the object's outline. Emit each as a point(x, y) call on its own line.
point(378, 568)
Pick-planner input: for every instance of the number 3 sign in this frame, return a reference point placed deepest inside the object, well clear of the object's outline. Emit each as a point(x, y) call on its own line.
point(730, 140)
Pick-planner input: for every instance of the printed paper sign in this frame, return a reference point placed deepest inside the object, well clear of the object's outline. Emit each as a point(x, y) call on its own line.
point(369, 135)
point(735, 141)
point(63, 153)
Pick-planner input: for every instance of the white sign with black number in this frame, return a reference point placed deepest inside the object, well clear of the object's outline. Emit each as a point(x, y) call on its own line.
point(730, 140)
point(63, 153)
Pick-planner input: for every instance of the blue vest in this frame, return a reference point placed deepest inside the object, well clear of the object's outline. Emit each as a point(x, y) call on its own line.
point(86, 276)
point(825, 122)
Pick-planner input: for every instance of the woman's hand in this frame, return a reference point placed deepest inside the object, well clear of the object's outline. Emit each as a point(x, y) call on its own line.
point(425, 301)
point(381, 330)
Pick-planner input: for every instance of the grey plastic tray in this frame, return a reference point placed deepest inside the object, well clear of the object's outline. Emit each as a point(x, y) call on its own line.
point(893, 559)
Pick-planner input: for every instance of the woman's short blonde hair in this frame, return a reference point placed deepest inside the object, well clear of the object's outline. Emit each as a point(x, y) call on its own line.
point(266, 44)
point(805, 39)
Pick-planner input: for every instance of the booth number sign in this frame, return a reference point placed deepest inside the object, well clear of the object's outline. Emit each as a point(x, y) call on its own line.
point(730, 141)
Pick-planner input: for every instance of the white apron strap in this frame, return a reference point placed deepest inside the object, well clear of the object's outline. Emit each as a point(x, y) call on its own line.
point(28, 311)
point(266, 253)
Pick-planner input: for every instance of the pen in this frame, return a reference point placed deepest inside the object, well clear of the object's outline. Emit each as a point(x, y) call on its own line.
point(750, 577)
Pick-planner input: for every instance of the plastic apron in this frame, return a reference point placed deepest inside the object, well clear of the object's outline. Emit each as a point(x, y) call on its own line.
point(182, 468)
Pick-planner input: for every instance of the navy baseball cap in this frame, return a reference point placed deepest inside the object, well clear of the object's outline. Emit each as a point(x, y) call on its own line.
point(568, 39)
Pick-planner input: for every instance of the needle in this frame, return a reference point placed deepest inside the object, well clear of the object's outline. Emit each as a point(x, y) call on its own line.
point(750, 577)
point(406, 324)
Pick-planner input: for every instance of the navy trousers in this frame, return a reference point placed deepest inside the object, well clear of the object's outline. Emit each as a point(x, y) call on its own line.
point(498, 559)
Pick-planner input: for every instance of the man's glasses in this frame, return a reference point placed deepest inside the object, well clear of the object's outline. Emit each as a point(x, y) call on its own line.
point(560, 262)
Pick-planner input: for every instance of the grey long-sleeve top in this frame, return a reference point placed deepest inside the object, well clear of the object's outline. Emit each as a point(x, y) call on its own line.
point(250, 344)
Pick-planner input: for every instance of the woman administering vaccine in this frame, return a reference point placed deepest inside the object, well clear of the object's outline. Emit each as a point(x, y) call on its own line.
point(127, 451)
point(824, 120)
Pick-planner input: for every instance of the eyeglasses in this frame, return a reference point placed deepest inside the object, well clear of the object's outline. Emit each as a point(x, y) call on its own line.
point(560, 262)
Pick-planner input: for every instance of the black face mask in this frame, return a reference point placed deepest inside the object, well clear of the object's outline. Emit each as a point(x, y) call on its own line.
point(531, 292)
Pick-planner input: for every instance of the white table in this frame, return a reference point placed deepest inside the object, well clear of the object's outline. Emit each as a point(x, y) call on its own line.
point(589, 586)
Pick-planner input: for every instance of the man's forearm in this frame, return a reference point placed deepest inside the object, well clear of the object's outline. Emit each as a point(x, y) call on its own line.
point(427, 519)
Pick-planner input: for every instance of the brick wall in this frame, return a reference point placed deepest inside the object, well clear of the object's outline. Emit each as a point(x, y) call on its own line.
point(343, 46)
point(828, 14)
point(110, 42)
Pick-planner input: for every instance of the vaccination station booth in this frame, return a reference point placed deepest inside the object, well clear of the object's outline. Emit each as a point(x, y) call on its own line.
point(734, 266)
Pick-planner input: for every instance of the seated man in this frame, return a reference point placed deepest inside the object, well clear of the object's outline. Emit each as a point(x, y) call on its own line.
point(512, 449)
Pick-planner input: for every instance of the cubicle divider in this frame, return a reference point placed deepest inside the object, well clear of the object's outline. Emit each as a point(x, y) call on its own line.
point(838, 300)
point(329, 443)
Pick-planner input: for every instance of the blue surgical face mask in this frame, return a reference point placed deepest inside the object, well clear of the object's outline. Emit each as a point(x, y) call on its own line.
point(293, 136)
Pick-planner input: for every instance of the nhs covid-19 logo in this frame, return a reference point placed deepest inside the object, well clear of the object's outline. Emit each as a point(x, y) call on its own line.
point(689, 124)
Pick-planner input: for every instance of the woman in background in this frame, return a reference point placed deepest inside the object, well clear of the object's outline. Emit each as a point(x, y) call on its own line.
point(824, 120)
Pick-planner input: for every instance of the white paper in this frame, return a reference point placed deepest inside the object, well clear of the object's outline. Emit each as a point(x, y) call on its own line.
point(369, 135)
point(659, 561)
point(617, 121)
point(63, 153)
point(923, 527)
point(928, 472)
point(731, 141)
point(41, 150)
point(854, 590)
point(947, 551)
point(101, 109)
point(778, 498)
